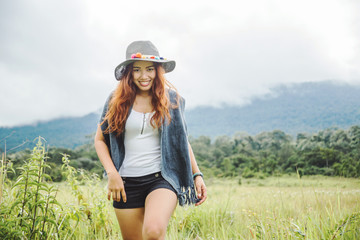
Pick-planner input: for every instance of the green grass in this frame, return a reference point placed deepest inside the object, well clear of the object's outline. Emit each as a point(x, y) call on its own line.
point(287, 207)
point(273, 208)
point(281, 208)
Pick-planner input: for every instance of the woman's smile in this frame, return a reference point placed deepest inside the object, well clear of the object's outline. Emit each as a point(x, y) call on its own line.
point(145, 83)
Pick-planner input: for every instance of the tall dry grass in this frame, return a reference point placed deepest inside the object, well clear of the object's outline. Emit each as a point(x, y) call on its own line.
point(274, 208)
point(273, 212)
point(285, 207)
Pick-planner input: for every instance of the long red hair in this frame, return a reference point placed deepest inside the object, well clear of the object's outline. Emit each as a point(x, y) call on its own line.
point(124, 97)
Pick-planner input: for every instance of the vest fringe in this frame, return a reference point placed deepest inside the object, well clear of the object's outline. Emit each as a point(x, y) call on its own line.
point(187, 196)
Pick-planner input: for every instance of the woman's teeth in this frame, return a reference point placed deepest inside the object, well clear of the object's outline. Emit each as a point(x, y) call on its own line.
point(144, 83)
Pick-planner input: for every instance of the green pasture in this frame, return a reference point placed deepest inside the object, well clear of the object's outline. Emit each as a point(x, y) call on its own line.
point(286, 207)
point(277, 207)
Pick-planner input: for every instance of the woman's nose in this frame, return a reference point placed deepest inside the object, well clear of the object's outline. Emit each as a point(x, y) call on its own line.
point(143, 74)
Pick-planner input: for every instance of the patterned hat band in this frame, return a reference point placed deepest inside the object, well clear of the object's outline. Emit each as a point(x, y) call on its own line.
point(142, 56)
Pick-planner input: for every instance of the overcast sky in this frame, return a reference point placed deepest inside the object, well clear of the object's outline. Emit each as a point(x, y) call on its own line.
point(57, 58)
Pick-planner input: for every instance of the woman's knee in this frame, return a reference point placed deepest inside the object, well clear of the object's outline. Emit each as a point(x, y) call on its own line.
point(153, 231)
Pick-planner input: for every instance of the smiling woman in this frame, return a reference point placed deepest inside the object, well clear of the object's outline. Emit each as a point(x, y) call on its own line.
point(142, 143)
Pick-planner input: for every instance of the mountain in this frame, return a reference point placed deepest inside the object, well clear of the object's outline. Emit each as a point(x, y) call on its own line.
point(68, 132)
point(304, 107)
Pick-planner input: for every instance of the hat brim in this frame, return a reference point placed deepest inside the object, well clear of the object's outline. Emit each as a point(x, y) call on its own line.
point(168, 65)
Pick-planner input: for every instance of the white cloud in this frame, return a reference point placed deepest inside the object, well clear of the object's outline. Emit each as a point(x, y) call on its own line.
point(57, 58)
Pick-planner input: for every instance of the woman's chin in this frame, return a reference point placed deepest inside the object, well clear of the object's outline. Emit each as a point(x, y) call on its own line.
point(144, 89)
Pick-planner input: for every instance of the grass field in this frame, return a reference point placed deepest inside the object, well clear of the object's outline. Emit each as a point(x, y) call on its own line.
point(313, 207)
point(286, 207)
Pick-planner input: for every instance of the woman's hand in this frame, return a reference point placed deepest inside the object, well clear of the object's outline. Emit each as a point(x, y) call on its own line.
point(200, 189)
point(116, 187)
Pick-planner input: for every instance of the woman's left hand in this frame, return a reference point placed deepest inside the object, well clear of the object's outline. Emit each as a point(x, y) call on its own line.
point(200, 189)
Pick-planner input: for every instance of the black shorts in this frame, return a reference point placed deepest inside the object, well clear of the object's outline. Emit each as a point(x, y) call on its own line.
point(137, 189)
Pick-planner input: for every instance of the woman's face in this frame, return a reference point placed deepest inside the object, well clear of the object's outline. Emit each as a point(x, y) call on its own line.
point(143, 74)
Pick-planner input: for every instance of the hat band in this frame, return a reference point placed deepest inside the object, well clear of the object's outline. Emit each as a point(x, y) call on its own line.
point(141, 56)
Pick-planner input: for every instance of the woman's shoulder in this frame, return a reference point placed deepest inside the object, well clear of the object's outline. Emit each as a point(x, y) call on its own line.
point(173, 94)
point(177, 100)
point(111, 94)
point(109, 97)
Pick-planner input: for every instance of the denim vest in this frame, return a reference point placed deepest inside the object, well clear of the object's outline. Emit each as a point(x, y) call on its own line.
point(175, 157)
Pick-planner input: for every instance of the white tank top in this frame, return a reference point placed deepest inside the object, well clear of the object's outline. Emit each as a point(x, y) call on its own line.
point(142, 146)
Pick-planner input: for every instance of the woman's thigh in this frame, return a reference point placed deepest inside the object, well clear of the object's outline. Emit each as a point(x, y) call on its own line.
point(159, 206)
point(131, 222)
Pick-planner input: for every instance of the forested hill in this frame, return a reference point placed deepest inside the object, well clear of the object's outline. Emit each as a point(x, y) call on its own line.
point(305, 107)
point(67, 132)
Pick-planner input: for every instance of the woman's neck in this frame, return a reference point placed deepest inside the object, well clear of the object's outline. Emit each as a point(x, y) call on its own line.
point(142, 102)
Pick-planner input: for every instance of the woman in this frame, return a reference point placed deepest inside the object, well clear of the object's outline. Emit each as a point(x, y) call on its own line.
point(142, 143)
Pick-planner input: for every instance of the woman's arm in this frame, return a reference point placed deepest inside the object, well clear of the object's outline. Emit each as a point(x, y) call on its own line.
point(199, 181)
point(115, 183)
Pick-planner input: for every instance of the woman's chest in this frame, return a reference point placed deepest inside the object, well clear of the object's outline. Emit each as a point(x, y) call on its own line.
point(138, 124)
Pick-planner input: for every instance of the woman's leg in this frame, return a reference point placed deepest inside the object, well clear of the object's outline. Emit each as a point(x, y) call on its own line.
point(159, 206)
point(131, 222)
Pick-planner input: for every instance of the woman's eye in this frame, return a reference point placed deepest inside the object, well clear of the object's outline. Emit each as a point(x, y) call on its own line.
point(151, 69)
point(136, 70)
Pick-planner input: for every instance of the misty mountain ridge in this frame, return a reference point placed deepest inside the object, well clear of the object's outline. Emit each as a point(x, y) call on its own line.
point(305, 107)
point(297, 108)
